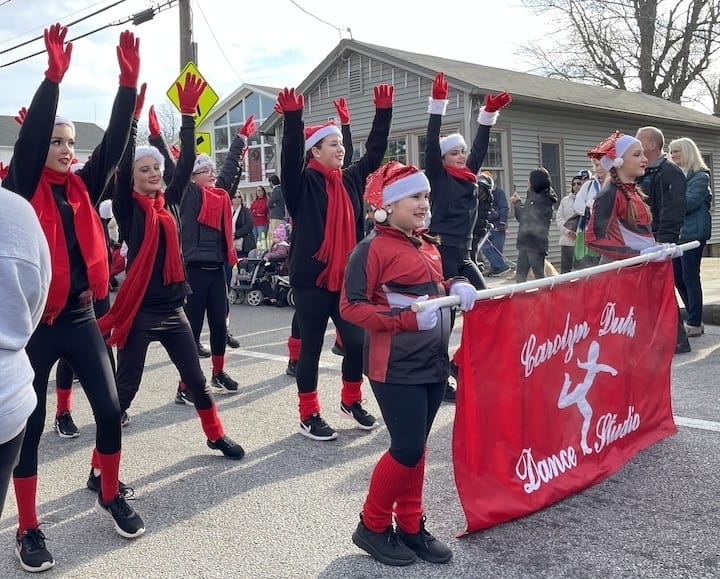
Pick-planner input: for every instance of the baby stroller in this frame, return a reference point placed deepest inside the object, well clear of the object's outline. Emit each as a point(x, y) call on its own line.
point(258, 282)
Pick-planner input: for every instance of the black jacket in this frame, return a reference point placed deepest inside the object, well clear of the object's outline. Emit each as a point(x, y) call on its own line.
point(665, 185)
point(534, 216)
point(244, 230)
point(276, 203)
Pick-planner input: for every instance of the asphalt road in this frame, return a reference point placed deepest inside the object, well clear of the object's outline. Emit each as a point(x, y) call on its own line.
point(288, 509)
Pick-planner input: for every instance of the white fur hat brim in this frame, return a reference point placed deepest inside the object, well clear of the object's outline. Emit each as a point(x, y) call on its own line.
point(454, 141)
point(149, 151)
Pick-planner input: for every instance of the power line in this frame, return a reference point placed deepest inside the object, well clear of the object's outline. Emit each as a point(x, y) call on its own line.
point(339, 30)
point(5, 2)
point(220, 48)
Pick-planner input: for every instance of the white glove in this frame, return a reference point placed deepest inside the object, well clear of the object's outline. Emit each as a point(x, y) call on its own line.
point(671, 250)
point(466, 292)
point(427, 319)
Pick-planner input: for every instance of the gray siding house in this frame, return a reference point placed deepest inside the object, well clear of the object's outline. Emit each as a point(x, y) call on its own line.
point(550, 123)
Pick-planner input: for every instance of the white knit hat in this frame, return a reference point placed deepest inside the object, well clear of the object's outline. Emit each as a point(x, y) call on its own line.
point(453, 141)
point(59, 120)
point(150, 151)
point(203, 161)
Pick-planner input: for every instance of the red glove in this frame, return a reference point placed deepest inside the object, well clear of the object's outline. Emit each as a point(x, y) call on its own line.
point(128, 54)
point(278, 109)
point(496, 103)
point(3, 170)
point(288, 101)
point(189, 95)
point(383, 96)
point(153, 123)
point(58, 53)
point(20, 118)
point(440, 87)
point(139, 102)
point(248, 128)
point(343, 111)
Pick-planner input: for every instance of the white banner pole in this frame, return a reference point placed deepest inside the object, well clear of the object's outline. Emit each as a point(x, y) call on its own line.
point(663, 252)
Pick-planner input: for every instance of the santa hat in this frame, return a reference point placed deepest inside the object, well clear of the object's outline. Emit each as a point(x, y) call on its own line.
point(393, 182)
point(313, 135)
point(454, 141)
point(150, 151)
point(64, 121)
point(280, 232)
point(609, 153)
point(203, 161)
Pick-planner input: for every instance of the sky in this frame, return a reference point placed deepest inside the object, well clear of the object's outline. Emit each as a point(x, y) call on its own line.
point(267, 42)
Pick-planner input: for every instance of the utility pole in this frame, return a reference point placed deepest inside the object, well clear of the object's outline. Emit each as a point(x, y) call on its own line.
point(188, 48)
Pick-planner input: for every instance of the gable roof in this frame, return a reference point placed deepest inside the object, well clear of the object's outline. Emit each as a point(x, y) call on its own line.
point(476, 79)
point(87, 135)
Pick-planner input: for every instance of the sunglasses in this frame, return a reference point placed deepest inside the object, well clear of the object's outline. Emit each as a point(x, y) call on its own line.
point(576, 183)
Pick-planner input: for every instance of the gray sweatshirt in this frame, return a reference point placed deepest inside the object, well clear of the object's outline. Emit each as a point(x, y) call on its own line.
point(24, 282)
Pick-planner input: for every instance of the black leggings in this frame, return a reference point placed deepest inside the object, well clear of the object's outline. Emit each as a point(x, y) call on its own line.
point(9, 454)
point(456, 262)
point(209, 293)
point(527, 260)
point(172, 330)
point(75, 336)
point(409, 411)
point(295, 327)
point(64, 373)
point(313, 308)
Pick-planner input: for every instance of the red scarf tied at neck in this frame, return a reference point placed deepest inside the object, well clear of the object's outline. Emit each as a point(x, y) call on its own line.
point(462, 174)
point(119, 319)
point(339, 237)
point(216, 212)
point(88, 231)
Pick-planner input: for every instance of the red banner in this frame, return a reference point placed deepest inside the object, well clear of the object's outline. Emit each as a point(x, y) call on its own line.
point(559, 388)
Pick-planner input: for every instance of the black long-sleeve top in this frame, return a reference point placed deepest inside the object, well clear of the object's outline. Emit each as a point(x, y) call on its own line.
point(131, 218)
point(30, 154)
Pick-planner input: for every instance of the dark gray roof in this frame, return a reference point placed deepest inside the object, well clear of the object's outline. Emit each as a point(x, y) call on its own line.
point(87, 135)
point(477, 79)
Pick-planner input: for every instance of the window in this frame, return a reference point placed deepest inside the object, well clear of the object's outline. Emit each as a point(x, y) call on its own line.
point(396, 151)
point(495, 158)
point(252, 106)
point(357, 152)
point(221, 138)
point(550, 159)
point(422, 139)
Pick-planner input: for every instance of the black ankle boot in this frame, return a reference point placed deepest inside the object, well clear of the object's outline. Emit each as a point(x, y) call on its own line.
point(384, 547)
point(425, 545)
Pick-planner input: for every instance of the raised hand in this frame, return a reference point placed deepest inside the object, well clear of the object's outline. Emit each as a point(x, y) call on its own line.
point(140, 102)
point(248, 128)
point(128, 55)
point(496, 103)
point(343, 111)
point(153, 123)
point(278, 109)
point(383, 96)
point(58, 53)
point(189, 95)
point(20, 118)
point(440, 87)
point(288, 101)
point(4, 169)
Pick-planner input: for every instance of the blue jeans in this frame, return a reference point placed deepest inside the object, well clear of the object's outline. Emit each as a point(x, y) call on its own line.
point(687, 281)
point(258, 229)
point(493, 250)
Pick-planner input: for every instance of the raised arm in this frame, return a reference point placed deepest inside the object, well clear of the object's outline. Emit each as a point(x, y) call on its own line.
point(292, 158)
point(156, 139)
point(343, 112)
point(487, 117)
point(436, 109)
point(230, 170)
point(377, 142)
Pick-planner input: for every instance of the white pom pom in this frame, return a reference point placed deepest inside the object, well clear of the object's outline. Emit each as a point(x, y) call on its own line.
point(380, 215)
point(618, 162)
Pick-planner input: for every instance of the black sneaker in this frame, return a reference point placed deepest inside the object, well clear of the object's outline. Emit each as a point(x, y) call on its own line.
point(450, 393)
point(337, 349)
point(357, 413)
point(228, 447)
point(499, 272)
point(385, 547)
point(94, 484)
point(426, 545)
point(232, 341)
point(65, 426)
point(203, 350)
point(224, 381)
point(291, 369)
point(128, 523)
point(124, 419)
point(30, 550)
point(454, 369)
point(317, 429)
point(683, 348)
point(184, 397)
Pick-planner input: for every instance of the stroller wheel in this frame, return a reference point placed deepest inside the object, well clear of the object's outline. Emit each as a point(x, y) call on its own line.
point(232, 296)
point(290, 298)
point(254, 297)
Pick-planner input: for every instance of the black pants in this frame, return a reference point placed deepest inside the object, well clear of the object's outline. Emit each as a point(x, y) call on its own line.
point(456, 262)
point(64, 373)
point(409, 411)
point(567, 258)
point(687, 281)
point(75, 336)
point(9, 454)
point(313, 308)
point(527, 260)
point(172, 330)
point(209, 293)
point(295, 327)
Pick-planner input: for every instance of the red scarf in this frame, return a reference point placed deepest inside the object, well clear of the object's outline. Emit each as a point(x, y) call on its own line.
point(339, 236)
point(216, 212)
point(463, 174)
point(119, 319)
point(89, 233)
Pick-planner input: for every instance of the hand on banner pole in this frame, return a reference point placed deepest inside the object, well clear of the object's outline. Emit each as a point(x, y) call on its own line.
point(427, 318)
point(467, 294)
point(669, 250)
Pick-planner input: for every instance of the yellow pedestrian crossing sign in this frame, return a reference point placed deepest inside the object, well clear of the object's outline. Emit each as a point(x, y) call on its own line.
point(208, 99)
point(202, 143)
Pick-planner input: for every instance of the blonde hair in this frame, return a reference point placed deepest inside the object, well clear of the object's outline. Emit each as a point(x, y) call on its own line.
point(690, 157)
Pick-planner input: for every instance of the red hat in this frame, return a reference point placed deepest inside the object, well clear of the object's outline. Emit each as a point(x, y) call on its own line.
point(609, 153)
point(393, 182)
point(313, 135)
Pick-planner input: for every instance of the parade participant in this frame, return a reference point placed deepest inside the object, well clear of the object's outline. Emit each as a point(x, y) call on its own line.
point(63, 200)
point(207, 245)
point(406, 358)
point(149, 305)
point(619, 224)
point(326, 206)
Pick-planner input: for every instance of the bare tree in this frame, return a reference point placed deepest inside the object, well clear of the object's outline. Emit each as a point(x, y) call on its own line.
point(659, 47)
point(170, 121)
